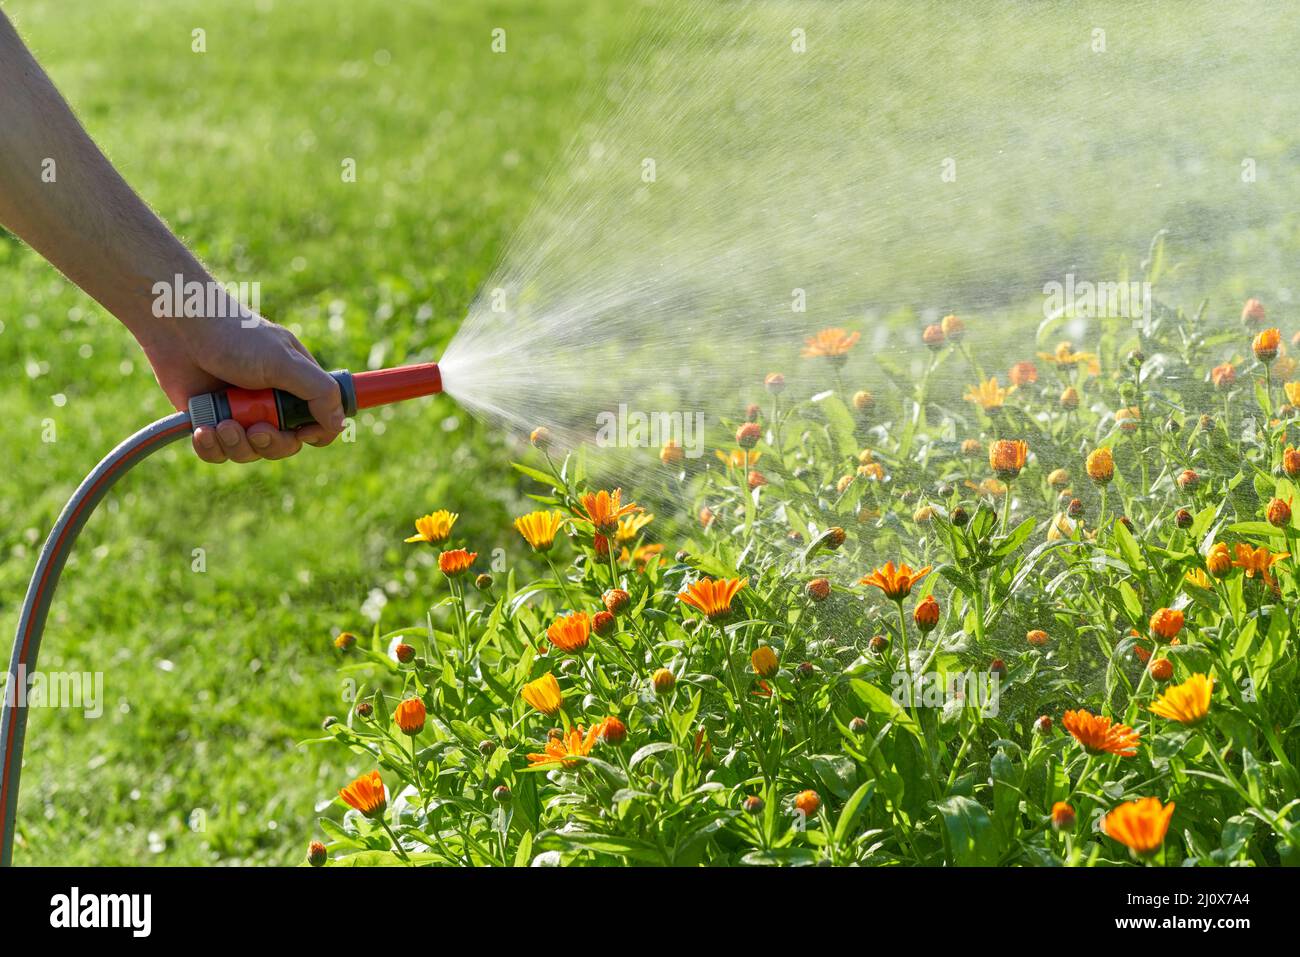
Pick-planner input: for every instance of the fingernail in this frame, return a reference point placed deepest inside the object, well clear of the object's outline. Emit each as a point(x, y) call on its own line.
point(229, 434)
point(260, 440)
point(207, 439)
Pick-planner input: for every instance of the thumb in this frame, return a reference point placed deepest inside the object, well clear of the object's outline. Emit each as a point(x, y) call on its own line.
point(308, 381)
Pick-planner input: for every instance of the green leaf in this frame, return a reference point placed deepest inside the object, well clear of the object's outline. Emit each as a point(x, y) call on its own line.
point(851, 807)
point(971, 833)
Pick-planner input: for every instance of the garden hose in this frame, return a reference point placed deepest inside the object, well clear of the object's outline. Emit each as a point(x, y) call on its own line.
point(246, 406)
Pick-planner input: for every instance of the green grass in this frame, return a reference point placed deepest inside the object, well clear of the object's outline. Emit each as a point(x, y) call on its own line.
point(211, 678)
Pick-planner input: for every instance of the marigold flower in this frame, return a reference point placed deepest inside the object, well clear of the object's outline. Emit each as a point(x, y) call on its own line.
point(774, 382)
point(833, 537)
point(410, 715)
point(1065, 355)
point(611, 731)
point(672, 453)
point(540, 528)
point(1037, 637)
point(1161, 669)
point(1187, 703)
point(1058, 478)
point(952, 327)
point(989, 396)
point(566, 750)
point(1291, 462)
point(603, 510)
point(366, 794)
point(1140, 825)
point(1062, 816)
point(1167, 623)
point(1187, 479)
point(1252, 311)
point(932, 336)
point(616, 601)
point(1043, 725)
point(630, 526)
point(456, 562)
point(1023, 373)
point(747, 435)
point(706, 517)
point(1099, 735)
point(833, 343)
point(1219, 561)
point(753, 805)
point(863, 400)
point(1100, 465)
point(1127, 419)
point(808, 802)
point(712, 596)
point(603, 624)
point(570, 633)
point(818, 589)
point(1007, 457)
point(896, 583)
point(540, 437)
point(923, 515)
point(764, 661)
point(317, 855)
point(738, 458)
point(663, 681)
point(1258, 561)
point(1278, 513)
point(1224, 376)
point(543, 694)
point(926, 614)
point(435, 528)
point(1292, 389)
point(1266, 345)
point(404, 653)
point(1069, 398)
point(972, 448)
point(345, 640)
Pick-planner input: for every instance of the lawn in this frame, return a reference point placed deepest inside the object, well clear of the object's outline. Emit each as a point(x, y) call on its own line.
point(213, 677)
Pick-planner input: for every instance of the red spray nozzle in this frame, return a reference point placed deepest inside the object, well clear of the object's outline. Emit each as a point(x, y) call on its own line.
point(365, 390)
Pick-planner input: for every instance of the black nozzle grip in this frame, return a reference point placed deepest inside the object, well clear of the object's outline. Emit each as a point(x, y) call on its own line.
point(295, 412)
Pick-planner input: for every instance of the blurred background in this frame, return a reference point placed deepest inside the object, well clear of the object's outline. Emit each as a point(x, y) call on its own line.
point(1069, 161)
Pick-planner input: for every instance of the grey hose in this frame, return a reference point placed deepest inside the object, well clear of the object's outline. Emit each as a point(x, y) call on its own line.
point(31, 622)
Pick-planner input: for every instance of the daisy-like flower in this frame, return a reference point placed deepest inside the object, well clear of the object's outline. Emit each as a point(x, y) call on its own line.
point(1100, 465)
point(366, 794)
point(738, 458)
point(1167, 623)
point(1065, 355)
point(1258, 561)
point(1007, 457)
point(1292, 390)
point(989, 396)
point(896, 583)
point(1187, 703)
point(544, 694)
point(1266, 345)
point(603, 510)
point(434, 529)
point(952, 327)
point(1140, 825)
point(570, 633)
point(456, 562)
point(1099, 735)
point(712, 596)
point(1023, 373)
point(1224, 376)
point(568, 749)
point(540, 528)
point(629, 527)
point(831, 343)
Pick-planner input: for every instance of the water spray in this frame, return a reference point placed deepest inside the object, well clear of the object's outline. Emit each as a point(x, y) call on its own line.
point(248, 407)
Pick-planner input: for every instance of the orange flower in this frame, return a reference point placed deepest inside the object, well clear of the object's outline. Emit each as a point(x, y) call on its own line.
point(932, 335)
point(896, 583)
point(1252, 311)
point(456, 562)
point(1099, 736)
point(1100, 466)
point(1140, 825)
point(366, 794)
point(544, 694)
point(831, 343)
point(1278, 513)
point(540, 528)
point(1062, 816)
point(410, 715)
point(1007, 457)
point(926, 614)
point(672, 453)
point(1223, 376)
point(952, 327)
point(1069, 398)
point(1037, 637)
point(1167, 623)
point(663, 681)
point(712, 596)
point(434, 529)
point(611, 730)
point(989, 396)
point(1266, 345)
point(1219, 560)
point(807, 802)
point(738, 458)
point(604, 509)
point(1065, 355)
point(567, 750)
point(570, 633)
point(1291, 461)
point(1187, 703)
point(764, 661)
point(1023, 373)
point(1258, 561)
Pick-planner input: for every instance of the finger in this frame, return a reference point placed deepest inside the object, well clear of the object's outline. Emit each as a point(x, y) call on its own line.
point(315, 435)
point(300, 375)
point(207, 445)
point(234, 442)
point(271, 443)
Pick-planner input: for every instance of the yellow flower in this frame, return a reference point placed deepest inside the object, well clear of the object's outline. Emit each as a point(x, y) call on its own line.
point(1140, 825)
point(1219, 560)
point(1007, 457)
point(570, 633)
point(540, 528)
point(568, 749)
point(764, 661)
point(629, 527)
point(896, 583)
point(1197, 577)
point(603, 510)
point(544, 694)
point(1100, 465)
point(1187, 703)
point(1266, 345)
point(1292, 390)
point(830, 343)
point(738, 458)
point(1258, 561)
point(1065, 355)
point(989, 396)
point(712, 596)
point(434, 529)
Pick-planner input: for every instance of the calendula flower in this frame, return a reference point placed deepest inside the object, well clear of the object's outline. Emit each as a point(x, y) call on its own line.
point(567, 750)
point(345, 640)
point(1197, 577)
point(434, 529)
point(1058, 477)
point(1252, 311)
point(410, 715)
point(738, 458)
point(952, 327)
point(896, 583)
point(611, 731)
point(1099, 735)
point(1224, 376)
point(764, 661)
point(1219, 561)
point(540, 437)
point(1065, 355)
point(1161, 669)
point(1292, 390)
point(544, 694)
point(603, 509)
point(1278, 513)
point(1023, 373)
point(1007, 457)
point(774, 382)
point(663, 681)
point(1100, 465)
point(712, 596)
point(972, 448)
point(1128, 419)
point(672, 453)
point(748, 434)
point(831, 343)
point(1258, 561)
point(1167, 623)
point(1062, 816)
point(1069, 398)
point(1266, 345)
point(456, 562)
point(989, 396)
point(1140, 825)
point(366, 794)
point(570, 633)
point(932, 336)
point(1037, 637)
point(629, 527)
point(807, 802)
point(540, 528)
point(863, 400)
point(926, 614)
point(642, 556)
point(1187, 703)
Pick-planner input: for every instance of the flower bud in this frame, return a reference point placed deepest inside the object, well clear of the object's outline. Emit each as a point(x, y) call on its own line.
point(747, 435)
point(754, 805)
point(774, 382)
point(345, 640)
point(926, 614)
point(764, 661)
point(808, 802)
point(316, 854)
point(663, 681)
point(1161, 669)
point(1062, 816)
point(501, 794)
point(616, 601)
point(603, 624)
point(1037, 637)
point(404, 653)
